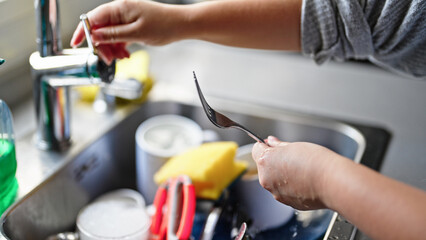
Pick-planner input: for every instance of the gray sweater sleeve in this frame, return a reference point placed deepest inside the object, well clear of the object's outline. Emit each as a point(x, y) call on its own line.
point(389, 33)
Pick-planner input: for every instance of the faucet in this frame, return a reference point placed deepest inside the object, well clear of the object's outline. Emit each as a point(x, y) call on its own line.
point(54, 71)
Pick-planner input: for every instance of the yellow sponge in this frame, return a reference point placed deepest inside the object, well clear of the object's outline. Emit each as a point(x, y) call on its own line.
point(210, 166)
point(136, 66)
point(87, 93)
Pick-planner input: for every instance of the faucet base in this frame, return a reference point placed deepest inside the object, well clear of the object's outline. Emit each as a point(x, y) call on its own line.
point(45, 145)
point(53, 131)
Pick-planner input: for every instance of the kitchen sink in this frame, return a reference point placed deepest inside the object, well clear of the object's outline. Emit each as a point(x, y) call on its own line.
point(108, 162)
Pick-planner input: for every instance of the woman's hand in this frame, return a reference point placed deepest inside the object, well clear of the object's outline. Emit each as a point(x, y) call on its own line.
point(118, 23)
point(242, 23)
point(294, 172)
point(308, 176)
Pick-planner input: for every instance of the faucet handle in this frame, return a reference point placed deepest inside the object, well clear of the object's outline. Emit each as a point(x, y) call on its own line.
point(86, 26)
point(106, 72)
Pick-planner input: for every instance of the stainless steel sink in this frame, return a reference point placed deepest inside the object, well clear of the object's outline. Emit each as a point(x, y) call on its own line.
point(109, 162)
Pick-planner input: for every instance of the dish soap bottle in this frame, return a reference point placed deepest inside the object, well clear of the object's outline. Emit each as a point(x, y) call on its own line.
point(8, 182)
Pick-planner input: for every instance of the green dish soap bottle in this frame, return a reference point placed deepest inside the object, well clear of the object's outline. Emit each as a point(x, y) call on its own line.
point(8, 182)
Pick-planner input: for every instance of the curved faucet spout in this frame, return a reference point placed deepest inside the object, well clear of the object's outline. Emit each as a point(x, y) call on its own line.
point(53, 77)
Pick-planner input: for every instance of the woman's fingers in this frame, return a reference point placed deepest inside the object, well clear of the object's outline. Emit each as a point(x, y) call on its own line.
point(109, 52)
point(115, 33)
point(258, 150)
point(275, 142)
point(107, 14)
point(106, 53)
point(123, 53)
point(104, 15)
point(78, 36)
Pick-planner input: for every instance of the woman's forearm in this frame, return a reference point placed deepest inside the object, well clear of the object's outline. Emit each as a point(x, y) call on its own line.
point(266, 24)
point(376, 204)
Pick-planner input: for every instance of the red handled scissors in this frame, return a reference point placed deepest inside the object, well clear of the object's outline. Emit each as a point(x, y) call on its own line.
point(176, 221)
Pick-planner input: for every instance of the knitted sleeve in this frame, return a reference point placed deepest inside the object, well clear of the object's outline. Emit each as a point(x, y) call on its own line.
point(389, 33)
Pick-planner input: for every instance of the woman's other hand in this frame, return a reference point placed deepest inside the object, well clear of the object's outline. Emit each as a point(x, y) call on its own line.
point(294, 172)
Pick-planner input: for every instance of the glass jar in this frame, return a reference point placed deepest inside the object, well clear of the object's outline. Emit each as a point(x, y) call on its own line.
point(8, 182)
